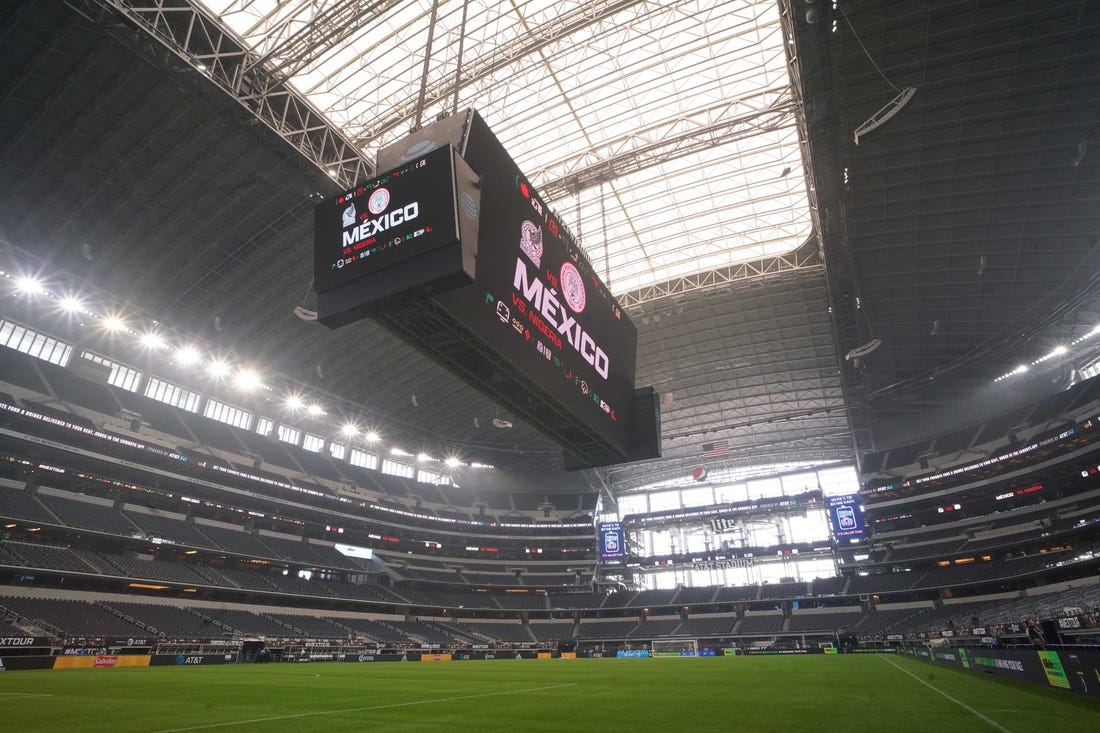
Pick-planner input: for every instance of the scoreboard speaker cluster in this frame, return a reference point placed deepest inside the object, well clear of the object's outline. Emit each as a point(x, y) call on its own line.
point(454, 250)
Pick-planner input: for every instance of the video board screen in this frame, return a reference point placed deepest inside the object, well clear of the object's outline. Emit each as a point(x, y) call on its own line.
point(612, 541)
point(395, 217)
point(846, 517)
point(537, 300)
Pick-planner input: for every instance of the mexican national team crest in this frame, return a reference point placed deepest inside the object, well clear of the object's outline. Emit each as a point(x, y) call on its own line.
point(572, 287)
point(348, 216)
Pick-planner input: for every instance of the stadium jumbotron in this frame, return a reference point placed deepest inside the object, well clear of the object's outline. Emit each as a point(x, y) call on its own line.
point(581, 332)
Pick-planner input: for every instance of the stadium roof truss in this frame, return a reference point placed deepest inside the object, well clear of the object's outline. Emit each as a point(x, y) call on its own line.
point(664, 132)
point(959, 237)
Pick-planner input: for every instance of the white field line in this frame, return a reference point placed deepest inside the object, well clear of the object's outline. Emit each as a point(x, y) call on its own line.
point(431, 701)
point(10, 695)
point(989, 721)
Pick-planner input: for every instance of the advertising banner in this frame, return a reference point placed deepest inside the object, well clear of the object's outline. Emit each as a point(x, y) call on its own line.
point(1064, 669)
point(612, 541)
point(100, 661)
point(16, 642)
point(372, 657)
point(1052, 667)
point(25, 662)
point(846, 517)
point(188, 660)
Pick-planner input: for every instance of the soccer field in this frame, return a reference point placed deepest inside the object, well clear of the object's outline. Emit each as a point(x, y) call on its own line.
point(782, 694)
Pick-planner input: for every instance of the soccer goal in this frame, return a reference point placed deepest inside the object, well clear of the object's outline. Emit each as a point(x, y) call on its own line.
point(675, 648)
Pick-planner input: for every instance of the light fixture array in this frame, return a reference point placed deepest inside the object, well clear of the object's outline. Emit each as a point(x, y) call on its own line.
point(1057, 351)
point(151, 336)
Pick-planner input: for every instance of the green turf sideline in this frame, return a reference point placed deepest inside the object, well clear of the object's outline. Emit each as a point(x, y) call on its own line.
point(821, 693)
point(435, 701)
point(989, 721)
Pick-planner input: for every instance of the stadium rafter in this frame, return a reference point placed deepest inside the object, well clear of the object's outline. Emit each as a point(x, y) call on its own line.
point(205, 44)
point(629, 97)
point(804, 258)
point(670, 139)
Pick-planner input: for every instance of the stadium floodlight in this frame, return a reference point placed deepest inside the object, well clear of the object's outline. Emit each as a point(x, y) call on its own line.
point(452, 462)
point(218, 368)
point(395, 451)
point(152, 340)
point(247, 380)
point(69, 304)
point(1095, 330)
point(187, 356)
point(28, 285)
point(113, 323)
point(294, 402)
point(372, 437)
point(349, 430)
point(425, 458)
point(1052, 354)
point(315, 410)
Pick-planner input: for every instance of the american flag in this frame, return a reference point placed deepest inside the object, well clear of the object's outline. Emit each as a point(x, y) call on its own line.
point(717, 449)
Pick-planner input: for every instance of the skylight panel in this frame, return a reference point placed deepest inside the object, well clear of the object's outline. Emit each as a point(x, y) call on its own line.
point(683, 108)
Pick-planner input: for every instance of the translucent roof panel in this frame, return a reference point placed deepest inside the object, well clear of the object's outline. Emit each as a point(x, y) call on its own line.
point(663, 132)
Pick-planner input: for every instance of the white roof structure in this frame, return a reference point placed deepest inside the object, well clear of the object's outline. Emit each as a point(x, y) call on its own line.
point(664, 132)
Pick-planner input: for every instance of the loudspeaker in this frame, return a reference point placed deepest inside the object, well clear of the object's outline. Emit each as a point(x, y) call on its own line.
point(1051, 632)
point(645, 425)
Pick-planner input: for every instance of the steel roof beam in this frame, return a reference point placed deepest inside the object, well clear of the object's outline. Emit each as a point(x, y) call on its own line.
point(323, 33)
point(775, 116)
point(212, 50)
point(801, 260)
point(562, 26)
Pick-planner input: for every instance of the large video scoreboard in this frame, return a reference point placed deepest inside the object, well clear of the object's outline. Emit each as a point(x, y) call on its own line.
point(455, 237)
point(538, 301)
point(390, 219)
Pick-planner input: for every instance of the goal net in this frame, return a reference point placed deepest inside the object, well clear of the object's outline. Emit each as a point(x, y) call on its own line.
point(675, 648)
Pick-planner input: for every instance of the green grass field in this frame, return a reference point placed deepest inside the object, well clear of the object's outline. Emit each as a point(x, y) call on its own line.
point(785, 694)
